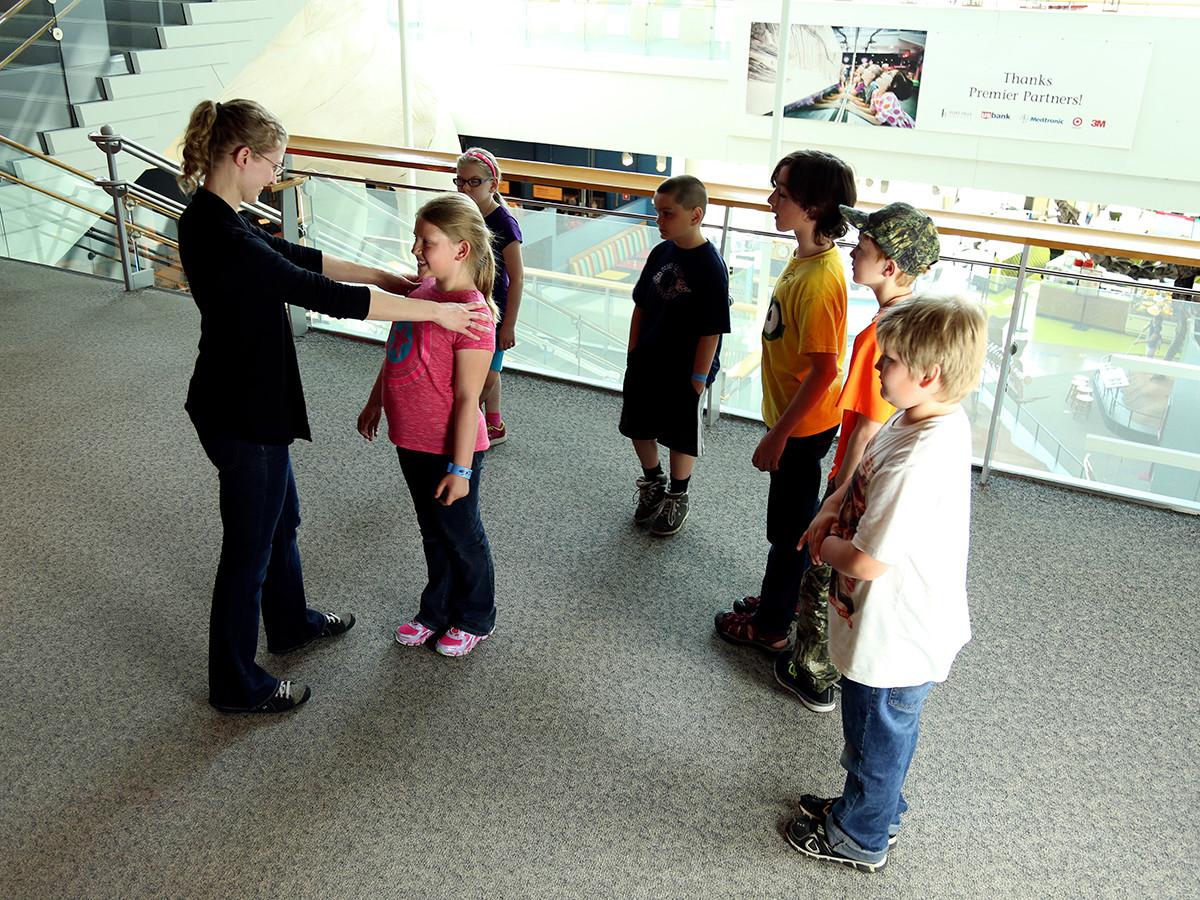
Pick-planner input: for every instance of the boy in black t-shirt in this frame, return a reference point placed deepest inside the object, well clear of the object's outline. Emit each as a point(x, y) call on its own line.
point(681, 310)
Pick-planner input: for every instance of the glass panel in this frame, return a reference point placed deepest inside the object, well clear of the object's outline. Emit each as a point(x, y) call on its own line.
point(33, 91)
point(1105, 385)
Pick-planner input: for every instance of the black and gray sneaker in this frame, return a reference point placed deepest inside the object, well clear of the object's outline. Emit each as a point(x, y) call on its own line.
point(288, 695)
point(801, 684)
point(650, 494)
point(672, 515)
point(816, 809)
point(808, 837)
point(334, 625)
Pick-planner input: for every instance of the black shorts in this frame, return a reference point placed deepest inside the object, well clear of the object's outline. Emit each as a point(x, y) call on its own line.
point(662, 408)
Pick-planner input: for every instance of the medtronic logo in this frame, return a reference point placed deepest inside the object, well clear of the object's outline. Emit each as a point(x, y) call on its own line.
point(1045, 120)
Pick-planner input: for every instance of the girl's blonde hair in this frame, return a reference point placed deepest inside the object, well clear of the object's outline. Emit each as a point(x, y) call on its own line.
point(457, 217)
point(477, 156)
point(217, 128)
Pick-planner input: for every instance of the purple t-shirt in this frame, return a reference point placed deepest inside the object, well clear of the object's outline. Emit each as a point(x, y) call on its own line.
point(504, 230)
point(418, 377)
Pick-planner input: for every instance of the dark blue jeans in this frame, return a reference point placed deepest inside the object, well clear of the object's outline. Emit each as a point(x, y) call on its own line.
point(461, 591)
point(259, 569)
point(791, 505)
point(880, 726)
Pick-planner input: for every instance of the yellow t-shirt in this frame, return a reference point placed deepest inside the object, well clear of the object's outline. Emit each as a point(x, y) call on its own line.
point(807, 315)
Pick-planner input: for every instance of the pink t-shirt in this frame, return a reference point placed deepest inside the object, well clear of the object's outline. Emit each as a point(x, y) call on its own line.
point(418, 377)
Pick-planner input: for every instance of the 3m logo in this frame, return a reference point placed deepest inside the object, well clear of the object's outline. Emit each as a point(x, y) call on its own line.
point(1098, 123)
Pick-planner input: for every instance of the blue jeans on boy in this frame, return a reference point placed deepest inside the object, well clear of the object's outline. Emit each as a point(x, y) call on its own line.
point(791, 505)
point(462, 581)
point(880, 726)
point(259, 569)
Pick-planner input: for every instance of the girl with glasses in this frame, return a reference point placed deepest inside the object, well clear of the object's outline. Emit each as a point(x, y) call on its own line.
point(478, 176)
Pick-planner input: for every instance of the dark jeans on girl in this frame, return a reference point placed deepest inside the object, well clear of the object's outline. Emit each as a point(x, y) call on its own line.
point(259, 570)
point(462, 584)
point(791, 505)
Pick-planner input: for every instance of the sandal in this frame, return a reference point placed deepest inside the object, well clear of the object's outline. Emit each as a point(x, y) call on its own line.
point(737, 628)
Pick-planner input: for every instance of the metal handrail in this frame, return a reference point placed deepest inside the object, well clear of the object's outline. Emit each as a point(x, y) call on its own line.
point(58, 14)
point(13, 10)
point(107, 217)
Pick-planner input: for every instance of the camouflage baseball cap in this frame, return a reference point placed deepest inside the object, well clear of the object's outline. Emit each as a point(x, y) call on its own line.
point(903, 233)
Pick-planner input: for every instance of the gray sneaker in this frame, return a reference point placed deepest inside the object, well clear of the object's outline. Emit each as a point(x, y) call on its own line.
point(672, 515)
point(650, 494)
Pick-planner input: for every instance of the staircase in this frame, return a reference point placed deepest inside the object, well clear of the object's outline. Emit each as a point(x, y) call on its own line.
point(139, 65)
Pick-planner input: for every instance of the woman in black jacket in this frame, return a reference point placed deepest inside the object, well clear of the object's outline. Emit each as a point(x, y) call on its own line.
point(245, 397)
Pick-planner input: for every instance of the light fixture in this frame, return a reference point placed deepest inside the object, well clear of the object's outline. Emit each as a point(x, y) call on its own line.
point(627, 158)
point(660, 163)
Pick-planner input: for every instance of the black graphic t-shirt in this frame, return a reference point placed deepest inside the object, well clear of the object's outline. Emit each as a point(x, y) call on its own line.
point(683, 296)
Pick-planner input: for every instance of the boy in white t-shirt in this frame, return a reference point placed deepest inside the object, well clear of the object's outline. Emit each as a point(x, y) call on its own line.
point(896, 535)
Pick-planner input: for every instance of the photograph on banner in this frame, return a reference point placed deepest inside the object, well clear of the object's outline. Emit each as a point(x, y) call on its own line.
point(850, 74)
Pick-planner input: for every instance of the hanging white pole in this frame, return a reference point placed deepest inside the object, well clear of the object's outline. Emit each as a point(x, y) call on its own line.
point(405, 93)
point(785, 41)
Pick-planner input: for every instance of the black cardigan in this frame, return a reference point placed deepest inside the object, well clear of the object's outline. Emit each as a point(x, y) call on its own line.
point(246, 383)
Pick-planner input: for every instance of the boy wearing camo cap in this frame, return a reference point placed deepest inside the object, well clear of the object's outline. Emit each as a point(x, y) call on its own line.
point(895, 245)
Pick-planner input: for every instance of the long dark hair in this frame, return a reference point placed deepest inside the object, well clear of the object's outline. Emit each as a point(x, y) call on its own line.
point(819, 182)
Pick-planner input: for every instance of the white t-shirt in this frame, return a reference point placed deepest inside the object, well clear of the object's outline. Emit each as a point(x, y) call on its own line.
point(909, 506)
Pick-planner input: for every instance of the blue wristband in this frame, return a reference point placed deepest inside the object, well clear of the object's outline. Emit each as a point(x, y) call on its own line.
point(460, 471)
point(697, 376)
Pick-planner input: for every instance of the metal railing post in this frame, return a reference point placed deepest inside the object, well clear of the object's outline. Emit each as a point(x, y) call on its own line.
point(134, 276)
point(1005, 359)
point(290, 214)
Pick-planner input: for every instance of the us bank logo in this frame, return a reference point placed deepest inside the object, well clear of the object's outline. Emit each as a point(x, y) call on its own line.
point(994, 115)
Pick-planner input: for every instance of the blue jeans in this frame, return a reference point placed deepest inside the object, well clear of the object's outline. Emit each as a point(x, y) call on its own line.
point(880, 726)
point(791, 505)
point(259, 569)
point(461, 591)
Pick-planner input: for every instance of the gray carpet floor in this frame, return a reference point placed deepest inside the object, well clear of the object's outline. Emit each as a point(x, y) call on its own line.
point(603, 743)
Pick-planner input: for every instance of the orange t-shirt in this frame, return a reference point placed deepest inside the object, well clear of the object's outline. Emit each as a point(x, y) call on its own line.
point(807, 315)
point(862, 392)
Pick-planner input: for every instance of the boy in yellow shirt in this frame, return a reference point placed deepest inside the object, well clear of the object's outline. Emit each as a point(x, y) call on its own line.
point(804, 342)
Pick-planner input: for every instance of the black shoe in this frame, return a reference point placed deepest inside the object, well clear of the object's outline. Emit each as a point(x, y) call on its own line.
point(288, 695)
point(671, 515)
point(334, 625)
point(809, 838)
point(816, 809)
point(801, 684)
point(650, 495)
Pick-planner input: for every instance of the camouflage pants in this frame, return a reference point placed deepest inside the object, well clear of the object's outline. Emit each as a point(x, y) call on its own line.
point(811, 653)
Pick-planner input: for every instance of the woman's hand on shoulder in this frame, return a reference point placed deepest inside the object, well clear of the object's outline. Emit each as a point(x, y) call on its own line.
point(368, 420)
point(451, 488)
point(471, 319)
point(396, 282)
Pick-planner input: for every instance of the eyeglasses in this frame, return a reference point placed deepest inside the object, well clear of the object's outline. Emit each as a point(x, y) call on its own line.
point(470, 182)
point(277, 167)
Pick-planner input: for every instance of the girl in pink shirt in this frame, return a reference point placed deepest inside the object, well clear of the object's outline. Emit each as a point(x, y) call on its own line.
point(429, 387)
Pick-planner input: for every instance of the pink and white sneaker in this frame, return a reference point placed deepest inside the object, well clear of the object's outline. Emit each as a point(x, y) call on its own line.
point(413, 634)
point(456, 642)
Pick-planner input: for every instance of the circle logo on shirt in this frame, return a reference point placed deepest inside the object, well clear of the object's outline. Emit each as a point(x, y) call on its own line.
point(670, 282)
point(773, 326)
point(405, 353)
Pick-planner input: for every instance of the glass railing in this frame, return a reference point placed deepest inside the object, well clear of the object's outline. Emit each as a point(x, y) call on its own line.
point(1100, 388)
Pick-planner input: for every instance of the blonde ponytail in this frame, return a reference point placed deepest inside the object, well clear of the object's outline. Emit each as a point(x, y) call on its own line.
point(216, 128)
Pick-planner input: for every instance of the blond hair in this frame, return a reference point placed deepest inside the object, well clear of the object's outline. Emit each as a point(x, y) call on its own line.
point(217, 128)
point(486, 162)
point(947, 332)
point(457, 217)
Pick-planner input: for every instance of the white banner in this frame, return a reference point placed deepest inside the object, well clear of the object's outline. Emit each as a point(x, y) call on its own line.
point(1036, 90)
